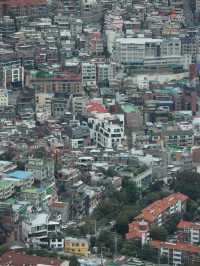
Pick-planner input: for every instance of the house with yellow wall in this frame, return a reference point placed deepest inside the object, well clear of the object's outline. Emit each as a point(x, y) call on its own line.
point(77, 246)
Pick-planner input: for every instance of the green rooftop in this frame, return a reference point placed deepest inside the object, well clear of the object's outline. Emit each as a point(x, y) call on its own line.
point(129, 108)
point(33, 190)
point(5, 184)
point(10, 201)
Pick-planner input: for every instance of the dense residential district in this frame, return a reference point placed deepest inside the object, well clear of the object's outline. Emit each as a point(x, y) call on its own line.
point(99, 132)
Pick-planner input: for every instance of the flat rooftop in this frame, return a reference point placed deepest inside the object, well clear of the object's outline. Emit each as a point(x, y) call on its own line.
point(138, 40)
point(18, 174)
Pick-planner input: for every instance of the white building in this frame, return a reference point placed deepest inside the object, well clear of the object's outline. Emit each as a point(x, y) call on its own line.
point(107, 130)
point(36, 229)
point(148, 51)
point(89, 74)
point(105, 72)
point(191, 230)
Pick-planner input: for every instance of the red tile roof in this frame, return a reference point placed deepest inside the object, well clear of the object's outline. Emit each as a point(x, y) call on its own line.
point(94, 106)
point(151, 212)
point(58, 204)
point(17, 258)
point(175, 246)
point(187, 225)
point(137, 229)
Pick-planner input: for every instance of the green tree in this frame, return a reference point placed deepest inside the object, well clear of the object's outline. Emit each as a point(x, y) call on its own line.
point(122, 224)
point(107, 209)
point(130, 190)
point(188, 183)
point(129, 249)
point(73, 261)
point(191, 210)
point(106, 240)
point(148, 253)
point(3, 249)
point(158, 233)
point(172, 223)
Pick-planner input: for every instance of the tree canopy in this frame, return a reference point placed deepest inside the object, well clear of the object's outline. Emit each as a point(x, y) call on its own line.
point(158, 233)
point(188, 183)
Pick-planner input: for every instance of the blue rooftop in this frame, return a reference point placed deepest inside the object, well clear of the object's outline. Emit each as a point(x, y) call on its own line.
point(20, 174)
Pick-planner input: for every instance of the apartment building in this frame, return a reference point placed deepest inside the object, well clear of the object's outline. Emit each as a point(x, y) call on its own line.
point(77, 246)
point(35, 229)
point(181, 138)
point(159, 212)
point(7, 189)
point(88, 74)
point(190, 230)
point(48, 82)
point(178, 253)
point(72, 7)
point(43, 104)
point(41, 168)
point(148, 51)
point(105, 72)
point(7, 26)
point(107, 130)
point(34, 8)
point(197, 6)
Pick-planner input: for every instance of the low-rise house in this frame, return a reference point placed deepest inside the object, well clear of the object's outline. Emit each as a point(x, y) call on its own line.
point(77, 246)
point(60, 210)
point(36, 227)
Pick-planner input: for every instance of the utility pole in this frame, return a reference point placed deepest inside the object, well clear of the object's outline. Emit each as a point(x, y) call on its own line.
point(95, 228)
point(116, 245)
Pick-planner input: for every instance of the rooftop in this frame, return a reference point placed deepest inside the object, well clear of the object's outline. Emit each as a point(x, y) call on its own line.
point(5, 183)
point(20, 174)
point(17, 258)
point(129, 108)
point(151, 212)
point(186, 225)
point(176, 246)
point(138, 40)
